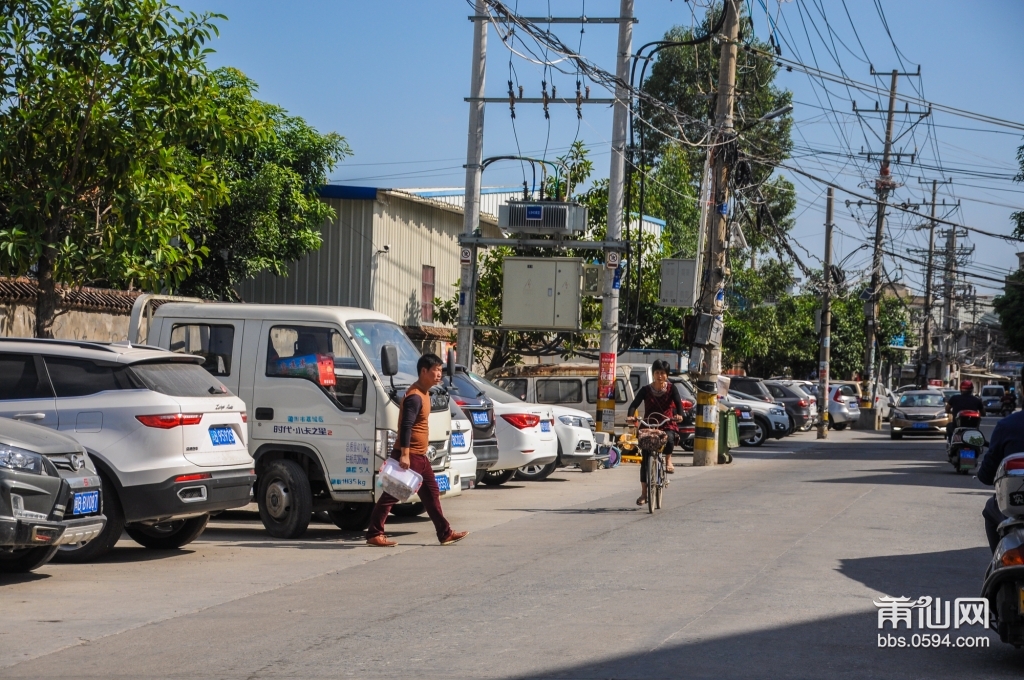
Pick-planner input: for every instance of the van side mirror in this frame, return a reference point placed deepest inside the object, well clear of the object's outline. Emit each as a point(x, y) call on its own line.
point(389, 360)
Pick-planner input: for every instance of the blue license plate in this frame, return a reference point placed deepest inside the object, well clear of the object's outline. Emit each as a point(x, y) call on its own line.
point(744, 415)
point(222, 435)
point(442, 483)
point(967, 454)
point(86, 503)
point(481, 418)
point(545, 426)
point(458, 440)
point(920, 426)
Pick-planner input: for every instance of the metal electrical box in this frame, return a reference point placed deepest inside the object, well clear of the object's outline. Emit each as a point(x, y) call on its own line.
point(678, 283)
point(541, 293)
point(542, 217)
point(592, 274)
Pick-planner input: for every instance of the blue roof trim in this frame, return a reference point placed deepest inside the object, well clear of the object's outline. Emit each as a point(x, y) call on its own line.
point(460, 192)
point(654, 220)
point(347, 192)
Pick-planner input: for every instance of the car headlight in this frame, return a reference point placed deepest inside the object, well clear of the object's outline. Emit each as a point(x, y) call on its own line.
point(940, 414)
point(572, 421)
point(899, 414)
point(20, 460)
point(385, 443)
point(777, 411)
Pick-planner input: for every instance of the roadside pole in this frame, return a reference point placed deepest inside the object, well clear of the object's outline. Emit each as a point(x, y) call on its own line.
point(948, 347)
point(826, 322)
point(474, 156)
point(707, 358)
point(616, 184)
point(926, 340)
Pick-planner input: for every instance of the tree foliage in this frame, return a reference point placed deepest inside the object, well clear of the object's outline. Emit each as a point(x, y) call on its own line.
point(101, 102)
point(1010, 308)
point(273, 215)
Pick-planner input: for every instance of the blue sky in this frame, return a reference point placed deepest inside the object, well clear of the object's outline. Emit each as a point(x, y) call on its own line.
point(391, 76)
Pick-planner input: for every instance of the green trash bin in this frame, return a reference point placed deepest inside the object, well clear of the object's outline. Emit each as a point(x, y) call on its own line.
point(728, 435)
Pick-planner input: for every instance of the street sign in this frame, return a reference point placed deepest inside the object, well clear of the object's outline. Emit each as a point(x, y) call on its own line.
point(466, 256)
point(611, 259)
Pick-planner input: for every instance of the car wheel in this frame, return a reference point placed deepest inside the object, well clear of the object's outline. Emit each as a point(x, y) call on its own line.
point(496, 477)
point(761, 430)
point(353, 516)
point(21, 561)
point(536, 473)
point(284, 499)
point(408, 510)
point(839, 426)
point(104, 543)
point(896, 435)
point(169, 535)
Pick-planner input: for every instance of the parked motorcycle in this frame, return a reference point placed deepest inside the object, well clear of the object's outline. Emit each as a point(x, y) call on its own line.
point(967, 443)
point(1004, 580)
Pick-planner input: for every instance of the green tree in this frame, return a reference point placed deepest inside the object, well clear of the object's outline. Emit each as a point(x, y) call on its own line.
point(1010, 308)
point(273, 214)
point(102, 103)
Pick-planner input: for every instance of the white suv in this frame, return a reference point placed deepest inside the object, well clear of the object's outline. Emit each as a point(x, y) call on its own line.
point(168, 439)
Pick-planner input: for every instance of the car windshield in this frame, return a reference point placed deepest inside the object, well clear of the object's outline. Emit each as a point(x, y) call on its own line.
point(370, 336)
point(492, 391)
point(992, 391)
point(178, 379)
point(464, 387)
point(921, 400)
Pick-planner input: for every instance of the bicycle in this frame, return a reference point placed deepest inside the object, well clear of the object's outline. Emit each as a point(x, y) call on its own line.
point(651, 439)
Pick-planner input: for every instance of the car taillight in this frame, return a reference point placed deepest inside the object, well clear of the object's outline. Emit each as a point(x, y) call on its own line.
point(1015, 464)
point(167, 421)
point(970, 414)
point(521, 421)
point(738, 413)
point(460, 402)
point(245, 417)
point(838, 397)
point(803, 403)
point(193, 478)
point(687, 404)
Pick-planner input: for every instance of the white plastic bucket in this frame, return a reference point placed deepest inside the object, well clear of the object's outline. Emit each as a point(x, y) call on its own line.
point(402, 484)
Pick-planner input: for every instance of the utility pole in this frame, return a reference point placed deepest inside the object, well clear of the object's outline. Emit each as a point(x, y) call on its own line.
point(926, 341)
point(616, 186)
point(474, 156)
point(883, 185)
point(706, 356)
point(826, 322)
point(947, 312)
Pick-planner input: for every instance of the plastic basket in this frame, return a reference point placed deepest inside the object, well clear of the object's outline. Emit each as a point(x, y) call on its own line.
point(402, 484)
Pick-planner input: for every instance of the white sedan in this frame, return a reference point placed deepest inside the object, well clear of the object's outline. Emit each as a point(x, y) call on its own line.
point(525, 432)
point(576, 443)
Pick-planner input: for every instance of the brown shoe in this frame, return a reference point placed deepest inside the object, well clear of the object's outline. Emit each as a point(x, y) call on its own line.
point(380, 541)
point(454, 537)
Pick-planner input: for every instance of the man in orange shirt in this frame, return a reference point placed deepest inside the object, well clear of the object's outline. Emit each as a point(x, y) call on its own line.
point(410, 452)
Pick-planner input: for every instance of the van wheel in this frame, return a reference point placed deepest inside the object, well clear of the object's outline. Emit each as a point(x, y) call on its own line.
point(496, 478)
point(839, 426)
point(168, 535)
point(104, 543)
point(284, 499)
point(408, 510)
point(353, 516)
point(761, 430)
point(536, 473)
point(21, 561)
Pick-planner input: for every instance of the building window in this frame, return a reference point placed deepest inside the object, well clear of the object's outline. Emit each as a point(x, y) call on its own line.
point(427, 299)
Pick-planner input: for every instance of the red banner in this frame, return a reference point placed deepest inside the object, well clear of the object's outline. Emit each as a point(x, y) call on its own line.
point(606, 376)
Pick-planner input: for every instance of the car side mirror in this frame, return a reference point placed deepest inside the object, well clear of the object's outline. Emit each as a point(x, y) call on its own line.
point(389, 360)
point(451, 364)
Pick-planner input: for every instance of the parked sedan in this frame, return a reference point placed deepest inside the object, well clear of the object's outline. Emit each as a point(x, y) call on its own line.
point(843, 406)
point(919, 412)
point(771, 420)
point(480, 412)
point(576, 443)
point(798, 404)
point(463, 459)
point(49, 495)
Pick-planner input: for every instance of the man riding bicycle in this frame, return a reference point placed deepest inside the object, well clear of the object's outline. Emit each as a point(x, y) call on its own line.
point(660, 398)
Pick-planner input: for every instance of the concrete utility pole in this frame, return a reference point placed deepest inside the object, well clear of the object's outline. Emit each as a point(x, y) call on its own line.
point(869, 418)
point(826, 321)
point(707, 357)
point(474, 155)
point(926, 340)
point(616, 186)
point(948, 348)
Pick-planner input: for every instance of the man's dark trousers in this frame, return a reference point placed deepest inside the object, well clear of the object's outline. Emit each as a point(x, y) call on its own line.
point(429, 495)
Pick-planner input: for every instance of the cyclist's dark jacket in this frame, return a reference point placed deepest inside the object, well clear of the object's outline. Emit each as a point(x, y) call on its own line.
point(1007, 439)
point(667, 404)
point(965, 402)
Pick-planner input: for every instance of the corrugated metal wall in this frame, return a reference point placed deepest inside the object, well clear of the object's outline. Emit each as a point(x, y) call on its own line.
point(338, 274)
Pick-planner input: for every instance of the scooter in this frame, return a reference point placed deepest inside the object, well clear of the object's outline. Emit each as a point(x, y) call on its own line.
point(1004, 580)
point(967, 443)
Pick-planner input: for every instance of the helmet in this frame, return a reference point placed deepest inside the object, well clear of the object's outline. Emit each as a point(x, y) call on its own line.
point(966, 386)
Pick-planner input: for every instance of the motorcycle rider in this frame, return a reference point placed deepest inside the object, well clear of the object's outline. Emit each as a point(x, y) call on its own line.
point(965, 401)
point(1009, 400)
point(1007, 439)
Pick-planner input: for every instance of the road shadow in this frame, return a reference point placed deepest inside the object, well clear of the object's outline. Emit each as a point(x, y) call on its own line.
point(576, 511)
point(911, 473)
point(946, 574)
point(132, 552)
point(16, 579)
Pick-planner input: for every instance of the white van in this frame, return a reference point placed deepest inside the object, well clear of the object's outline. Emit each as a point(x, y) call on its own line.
point(323, 413)
point(570, 384)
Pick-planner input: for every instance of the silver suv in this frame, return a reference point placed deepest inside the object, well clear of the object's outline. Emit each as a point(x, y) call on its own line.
point(49, 496)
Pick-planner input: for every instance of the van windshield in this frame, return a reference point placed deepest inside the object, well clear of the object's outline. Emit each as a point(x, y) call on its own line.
point(370, 336)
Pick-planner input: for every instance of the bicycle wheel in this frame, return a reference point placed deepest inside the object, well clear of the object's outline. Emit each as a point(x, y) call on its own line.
point(652, 482)
point(662, 480)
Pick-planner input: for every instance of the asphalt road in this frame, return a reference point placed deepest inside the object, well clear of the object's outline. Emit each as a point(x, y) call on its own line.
point(766, 568)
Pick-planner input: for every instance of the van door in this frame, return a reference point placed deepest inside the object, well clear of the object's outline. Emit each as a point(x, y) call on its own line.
point(25, 391)
point(219, 342)
point(309, 389)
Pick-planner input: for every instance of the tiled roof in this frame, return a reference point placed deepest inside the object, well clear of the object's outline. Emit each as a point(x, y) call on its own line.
point(23, 291)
